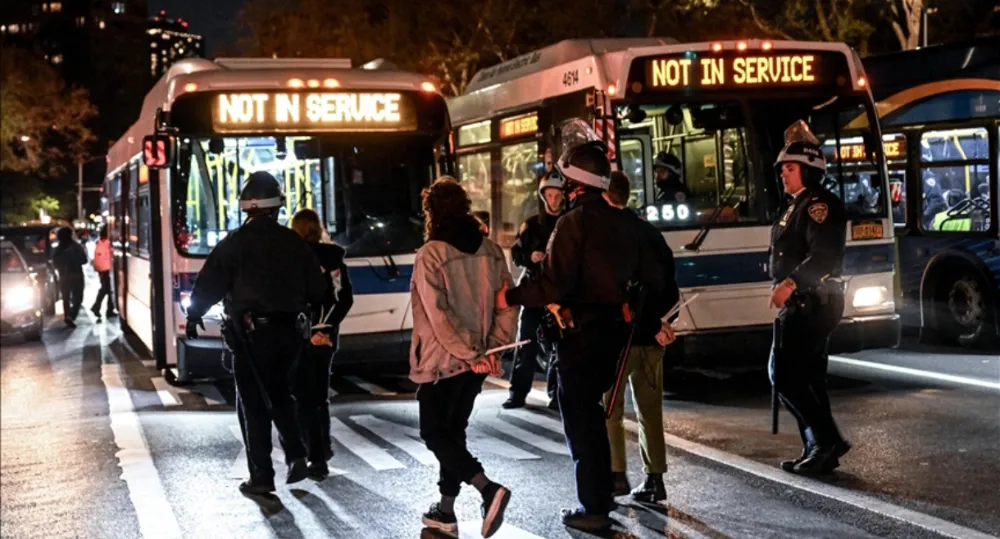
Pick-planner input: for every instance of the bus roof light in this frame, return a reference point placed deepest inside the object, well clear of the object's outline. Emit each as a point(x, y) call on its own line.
point(612, 89)
point(716, 47)
point(742, 46)
point(767, 45)
point(862, 82)
point(296, 83)
point(331, 83)
point(313, 83)
point(428, 86)
point(190, 87)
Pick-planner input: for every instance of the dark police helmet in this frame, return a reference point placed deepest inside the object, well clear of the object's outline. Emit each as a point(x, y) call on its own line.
point(587, 164)
point(261, 192)
point(669, 162)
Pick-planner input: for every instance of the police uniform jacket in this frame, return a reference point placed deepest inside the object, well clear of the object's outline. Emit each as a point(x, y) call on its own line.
point(339, 297)
point(808, 241)
point(592, 255)
point(533, 236)
point(261, 267)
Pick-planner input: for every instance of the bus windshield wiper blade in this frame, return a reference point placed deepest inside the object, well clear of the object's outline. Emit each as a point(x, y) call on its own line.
point(703, 233)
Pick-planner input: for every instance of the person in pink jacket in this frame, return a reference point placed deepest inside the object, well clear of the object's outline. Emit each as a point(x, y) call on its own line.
point(102, 265)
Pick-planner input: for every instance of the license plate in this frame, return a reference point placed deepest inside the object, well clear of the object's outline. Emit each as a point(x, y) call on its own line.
point(866, 231)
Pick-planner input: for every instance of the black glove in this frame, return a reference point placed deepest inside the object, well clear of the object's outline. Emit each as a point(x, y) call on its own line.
point(192, 327)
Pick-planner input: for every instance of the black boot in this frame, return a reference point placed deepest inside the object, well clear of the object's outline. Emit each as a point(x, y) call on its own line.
point(823, 459)
point(513, 401)
point(297, 471)
point(789, 465)
point(621, 484)
point(582, 520)
point(257, 487)
point(652, 490)
point(318, 471)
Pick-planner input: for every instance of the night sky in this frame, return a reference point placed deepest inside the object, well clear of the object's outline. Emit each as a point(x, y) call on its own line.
point(214, 19)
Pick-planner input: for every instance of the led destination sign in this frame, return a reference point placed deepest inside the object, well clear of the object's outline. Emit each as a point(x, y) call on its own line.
point(729, 72)
point(317, 111)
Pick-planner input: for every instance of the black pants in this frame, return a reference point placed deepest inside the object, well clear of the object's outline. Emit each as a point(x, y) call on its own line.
point(104, 292)
point(312, 401)
point(71, 288)
point(445, 408)
point(526, 357)
point(586, 366)
point(273, 353)
point(799, 370)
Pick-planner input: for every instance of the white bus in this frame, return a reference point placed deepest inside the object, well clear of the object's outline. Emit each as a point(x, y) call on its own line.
point(721, 109)
point(355, 144)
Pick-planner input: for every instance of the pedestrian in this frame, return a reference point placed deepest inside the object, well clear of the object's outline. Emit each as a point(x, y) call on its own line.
point(69, 259)
point(528, 252)
point(644, 367)
point(670, 179)
point(807, 261)
point(103, 265)
point(592, 257)
point(312, 379)
point(268, 277)
point(455, 278)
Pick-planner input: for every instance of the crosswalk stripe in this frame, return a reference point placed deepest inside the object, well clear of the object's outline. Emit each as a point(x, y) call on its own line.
point(163, 391)
point(374, 389)
point(239, 468)
point(375, 456)
point(527, 437)
point(470, 529)
point(491, 444)
point(398, 435)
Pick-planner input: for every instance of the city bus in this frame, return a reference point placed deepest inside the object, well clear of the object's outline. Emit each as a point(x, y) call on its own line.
point(940, 109)
point(722, 109)
point(357, 145)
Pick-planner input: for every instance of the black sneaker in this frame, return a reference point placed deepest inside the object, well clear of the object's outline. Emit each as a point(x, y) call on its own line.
point(318, 471)
point(258, 487)
point(652, 490)
point(439, 520)
point(582, 520)
point(495, 500)
point(822, 460)
point(513, 402)
point(297, 471)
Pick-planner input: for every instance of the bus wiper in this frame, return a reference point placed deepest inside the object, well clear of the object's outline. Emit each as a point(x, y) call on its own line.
point(393, 269)
point(703, 233)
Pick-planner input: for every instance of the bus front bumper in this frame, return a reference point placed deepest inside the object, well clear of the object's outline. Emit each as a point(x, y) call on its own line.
point(866, 332)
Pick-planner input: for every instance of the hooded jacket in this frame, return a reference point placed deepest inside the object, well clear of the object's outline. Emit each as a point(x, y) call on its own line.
point(69, 256)
point(455, 278)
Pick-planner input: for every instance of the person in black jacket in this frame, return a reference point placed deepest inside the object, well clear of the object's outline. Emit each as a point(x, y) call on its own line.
point(69, 258)
point(528, 252)
point(593, 256)
point(645, 367)
point(268, 277)
point(312, 382)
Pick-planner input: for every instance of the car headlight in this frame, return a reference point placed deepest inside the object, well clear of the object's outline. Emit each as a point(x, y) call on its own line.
point(871, 296)
point(19, 298)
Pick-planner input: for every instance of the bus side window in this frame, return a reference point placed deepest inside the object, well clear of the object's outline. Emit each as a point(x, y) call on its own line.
point(954, 164)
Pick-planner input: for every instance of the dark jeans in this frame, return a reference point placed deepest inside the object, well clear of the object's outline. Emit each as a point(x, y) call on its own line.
point(526, 357)
point(445, 408)
point(312, 400)
point(265, 396)
point(105, 291)
point(799, 371)
point(586, 366)
point(71, 288)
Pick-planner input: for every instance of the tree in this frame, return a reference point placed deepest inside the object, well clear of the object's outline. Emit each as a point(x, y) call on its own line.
point(42, 122)
point(906, 17)
point(815, 20)
point(24, 196)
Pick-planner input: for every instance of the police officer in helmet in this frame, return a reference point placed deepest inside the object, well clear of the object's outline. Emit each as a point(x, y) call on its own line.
point(528, 252)
point(267, 276)
point(669, 184)
point(593, 255)
point(807, 261)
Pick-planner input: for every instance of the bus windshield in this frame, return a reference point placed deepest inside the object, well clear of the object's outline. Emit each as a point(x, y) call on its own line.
point(723, 152)
point(366, 190)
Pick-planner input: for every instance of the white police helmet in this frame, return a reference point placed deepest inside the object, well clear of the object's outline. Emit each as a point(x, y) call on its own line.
point(261, 191)
point(802, 147)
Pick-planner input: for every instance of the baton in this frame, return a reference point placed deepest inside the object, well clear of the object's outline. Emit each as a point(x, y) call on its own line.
point(677, 308)
point(774, 375)
point(492, 351)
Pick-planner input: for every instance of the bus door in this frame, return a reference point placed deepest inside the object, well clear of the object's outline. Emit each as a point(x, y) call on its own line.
point(636, 151)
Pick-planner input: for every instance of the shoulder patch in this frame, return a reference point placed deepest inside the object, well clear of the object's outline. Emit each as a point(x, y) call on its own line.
point(818, 212)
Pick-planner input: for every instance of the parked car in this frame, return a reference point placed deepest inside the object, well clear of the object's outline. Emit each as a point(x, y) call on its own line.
point(20, 295)
point(35, 243)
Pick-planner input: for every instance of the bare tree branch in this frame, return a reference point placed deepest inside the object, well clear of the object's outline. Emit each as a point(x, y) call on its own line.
point(824, 26)
point(763, 25)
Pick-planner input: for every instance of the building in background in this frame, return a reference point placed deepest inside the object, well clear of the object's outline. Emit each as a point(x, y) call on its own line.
point(170, 41)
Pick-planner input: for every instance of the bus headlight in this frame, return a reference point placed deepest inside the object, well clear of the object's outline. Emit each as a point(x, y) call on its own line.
point(19, 298)
point(871, 296)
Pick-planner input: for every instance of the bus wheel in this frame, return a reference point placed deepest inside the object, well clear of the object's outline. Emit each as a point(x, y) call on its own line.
point(968, 312)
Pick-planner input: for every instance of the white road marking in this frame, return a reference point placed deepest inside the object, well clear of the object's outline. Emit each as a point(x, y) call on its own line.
point(481, 441)
point(771, 473)
point(930, 375)
point(156, 518)
point(527, 437)
point(374, 389)
point(397, 435)
point(211, 394)
point(164, 391)
point(375, 456)
point(470, 529)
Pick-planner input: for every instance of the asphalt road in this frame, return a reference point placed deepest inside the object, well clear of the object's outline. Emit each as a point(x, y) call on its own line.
point(96, 444)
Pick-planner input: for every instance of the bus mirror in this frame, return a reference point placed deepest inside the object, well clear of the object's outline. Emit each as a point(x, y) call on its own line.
point(636, 115)
point(308, 149)
point(157, 151)
point(675, 116)
point(216, 145)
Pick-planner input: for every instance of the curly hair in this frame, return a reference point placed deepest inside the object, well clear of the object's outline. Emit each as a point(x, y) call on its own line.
point(306, 224)
point(444, 200)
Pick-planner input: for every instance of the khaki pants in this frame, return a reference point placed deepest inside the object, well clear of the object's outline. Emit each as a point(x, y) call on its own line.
point(645, 378)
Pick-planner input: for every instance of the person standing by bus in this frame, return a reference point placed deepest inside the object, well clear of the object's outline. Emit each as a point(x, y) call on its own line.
point(455, 278)
point(644, 368)
point(593, 256)
point(806, 261)
point(269, 277)
point(69, 258)
point(102, 265)
point(312, 379)
point(527, 252)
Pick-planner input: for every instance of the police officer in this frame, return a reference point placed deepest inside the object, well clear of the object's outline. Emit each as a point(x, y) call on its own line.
point(806, 261)
point(593, 255)
point(528, 252)
point(267, 276)
point(669, 184)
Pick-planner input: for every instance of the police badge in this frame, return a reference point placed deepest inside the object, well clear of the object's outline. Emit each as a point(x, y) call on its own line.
point(818, 212)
